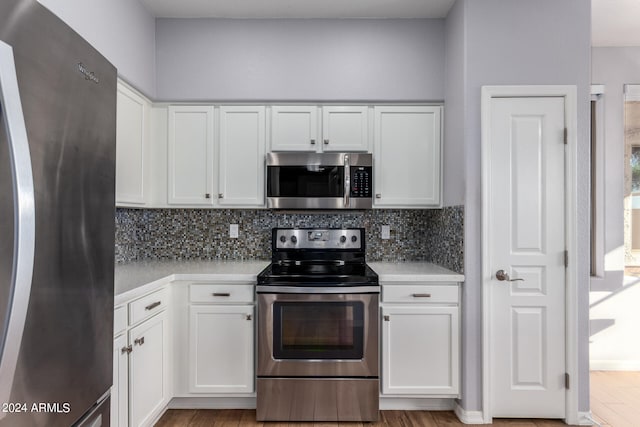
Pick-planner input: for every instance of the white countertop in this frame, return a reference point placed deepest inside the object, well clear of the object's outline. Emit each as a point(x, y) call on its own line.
point(413, 271)
point(136, 278)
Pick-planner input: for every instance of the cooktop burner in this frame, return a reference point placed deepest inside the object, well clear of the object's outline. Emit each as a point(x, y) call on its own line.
point(312, 257)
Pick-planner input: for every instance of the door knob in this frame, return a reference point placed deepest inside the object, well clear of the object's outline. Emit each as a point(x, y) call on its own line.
point(503, 276)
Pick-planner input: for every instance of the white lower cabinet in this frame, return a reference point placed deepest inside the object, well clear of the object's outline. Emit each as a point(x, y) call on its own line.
point(120, 390)
point(221, 349)
point(214, 340)
point(141, 368)
point(148, 391)
point(420, 341)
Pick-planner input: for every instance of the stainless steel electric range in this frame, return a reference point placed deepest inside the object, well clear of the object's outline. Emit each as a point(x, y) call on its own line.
point(318, 328)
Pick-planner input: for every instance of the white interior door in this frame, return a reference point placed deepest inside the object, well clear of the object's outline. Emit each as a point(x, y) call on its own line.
point(526, 239)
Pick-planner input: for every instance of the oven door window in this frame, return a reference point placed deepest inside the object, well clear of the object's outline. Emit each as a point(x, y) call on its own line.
point(318, 330)
point(305, 181)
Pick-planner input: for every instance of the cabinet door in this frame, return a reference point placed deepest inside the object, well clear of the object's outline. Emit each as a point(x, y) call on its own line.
point(131, 146)
point(345, 129)
point(420, 350)
point(148, 376)
point(120, 388)
point(294, 128)
point(242, 156)
point(190, 156)
point(407, 160)
point(221, 356)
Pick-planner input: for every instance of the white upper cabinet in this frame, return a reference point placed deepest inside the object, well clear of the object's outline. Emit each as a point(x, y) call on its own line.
point(190, 155)
point(407, 162)
point(132, 146)
point(297, 128)
point(345, 128)
point(294, 128)
point(242, 156)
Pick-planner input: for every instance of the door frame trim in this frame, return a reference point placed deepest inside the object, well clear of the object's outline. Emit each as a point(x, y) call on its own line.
point(569, 93)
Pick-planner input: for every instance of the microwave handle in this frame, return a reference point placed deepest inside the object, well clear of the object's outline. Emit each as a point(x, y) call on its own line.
point(347, 181)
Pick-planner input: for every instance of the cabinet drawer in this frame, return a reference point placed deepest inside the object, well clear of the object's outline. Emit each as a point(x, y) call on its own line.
point(420, 293)
point(119, 320)
point(221, 293)
point(148, 305)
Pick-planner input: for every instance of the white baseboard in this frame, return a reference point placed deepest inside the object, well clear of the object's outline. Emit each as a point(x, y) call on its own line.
point(586, 419)
point(614, 365)
point(415, 404)
point(213, 403)
point(468, 417)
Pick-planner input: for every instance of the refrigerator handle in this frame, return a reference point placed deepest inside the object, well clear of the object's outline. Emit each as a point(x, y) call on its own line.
point(24, 220)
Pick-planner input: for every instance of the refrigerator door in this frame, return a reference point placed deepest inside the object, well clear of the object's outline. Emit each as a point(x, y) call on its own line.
point(68, 96)
point(17, 222)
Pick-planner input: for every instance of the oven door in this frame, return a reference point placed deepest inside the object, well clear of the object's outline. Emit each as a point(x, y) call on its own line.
point(317, 335)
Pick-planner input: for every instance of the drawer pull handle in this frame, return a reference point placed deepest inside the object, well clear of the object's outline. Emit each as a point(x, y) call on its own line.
point(139, 341)
point(152, 306)
point(421, 295)
point(221, 294)
point(249, 317)
point(128, 349)
point(386, 318)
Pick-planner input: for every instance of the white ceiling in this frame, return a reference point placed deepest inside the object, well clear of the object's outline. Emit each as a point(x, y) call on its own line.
point(298, 8)
point(614, 22)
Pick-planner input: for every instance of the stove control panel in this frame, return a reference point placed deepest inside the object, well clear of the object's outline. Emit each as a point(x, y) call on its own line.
point(331, 238)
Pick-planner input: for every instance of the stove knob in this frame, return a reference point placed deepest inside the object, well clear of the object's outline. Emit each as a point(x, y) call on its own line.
point(283, 239)
point(354, 239)
point(343, 239)
point(294, 239)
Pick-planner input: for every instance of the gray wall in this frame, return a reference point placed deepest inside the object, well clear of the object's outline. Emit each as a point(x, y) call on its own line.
point(122, 30)
point(520, 42)
point(454, 126)
point(307, 60)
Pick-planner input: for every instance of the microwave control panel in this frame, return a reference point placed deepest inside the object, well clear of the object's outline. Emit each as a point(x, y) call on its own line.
point(361, 181)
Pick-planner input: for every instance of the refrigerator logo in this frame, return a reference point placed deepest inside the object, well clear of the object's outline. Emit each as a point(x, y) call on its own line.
point(88, 75)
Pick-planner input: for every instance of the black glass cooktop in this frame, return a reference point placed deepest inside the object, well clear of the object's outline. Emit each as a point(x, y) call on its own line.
point(314, 273)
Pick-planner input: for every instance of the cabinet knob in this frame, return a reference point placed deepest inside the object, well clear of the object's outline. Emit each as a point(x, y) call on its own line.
point(378, 196)
point(326, 142)
point(313, 142)
point(386, 318)
point(220, 195)
point(249, 317)
point(128, 349)
point(207, 196)
point(139, 341)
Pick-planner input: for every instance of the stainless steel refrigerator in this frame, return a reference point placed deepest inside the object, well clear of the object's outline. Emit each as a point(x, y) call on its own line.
point(57, 181)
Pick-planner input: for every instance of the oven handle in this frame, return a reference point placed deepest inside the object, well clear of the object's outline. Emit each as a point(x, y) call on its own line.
point(317, 290)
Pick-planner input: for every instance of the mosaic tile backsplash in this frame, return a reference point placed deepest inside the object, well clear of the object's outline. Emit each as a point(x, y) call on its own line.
point(434, 235)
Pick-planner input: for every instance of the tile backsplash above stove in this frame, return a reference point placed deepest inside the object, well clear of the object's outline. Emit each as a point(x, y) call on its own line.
point(187, 234)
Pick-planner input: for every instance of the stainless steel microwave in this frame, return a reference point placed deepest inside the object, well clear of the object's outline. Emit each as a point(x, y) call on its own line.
point(319, 180)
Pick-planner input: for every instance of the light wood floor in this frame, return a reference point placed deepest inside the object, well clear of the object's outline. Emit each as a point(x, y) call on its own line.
point(615, 398)
point(615, 402)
